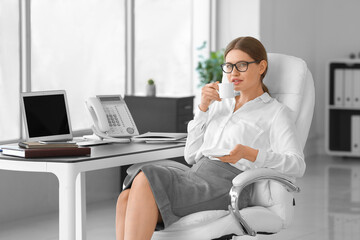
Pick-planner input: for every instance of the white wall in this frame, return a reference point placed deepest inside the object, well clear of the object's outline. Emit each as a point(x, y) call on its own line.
point(237, 18)
point(315, 31)
point(290, 27)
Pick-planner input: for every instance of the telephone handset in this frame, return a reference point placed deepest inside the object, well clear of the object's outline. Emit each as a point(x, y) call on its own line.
point(111, 117)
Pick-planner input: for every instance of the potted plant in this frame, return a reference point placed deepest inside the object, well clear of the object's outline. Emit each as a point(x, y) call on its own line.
point(209, 68)
point(150, 88)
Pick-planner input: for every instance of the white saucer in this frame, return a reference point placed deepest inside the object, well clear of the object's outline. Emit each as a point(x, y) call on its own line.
point(217, 152)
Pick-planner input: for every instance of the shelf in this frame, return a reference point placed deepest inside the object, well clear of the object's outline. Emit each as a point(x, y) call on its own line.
point(342, 104)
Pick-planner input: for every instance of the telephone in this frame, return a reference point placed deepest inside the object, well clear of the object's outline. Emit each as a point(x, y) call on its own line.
point(111, 117)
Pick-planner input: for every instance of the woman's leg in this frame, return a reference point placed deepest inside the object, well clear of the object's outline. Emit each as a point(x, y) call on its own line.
point(121, 213)
point(142, 213)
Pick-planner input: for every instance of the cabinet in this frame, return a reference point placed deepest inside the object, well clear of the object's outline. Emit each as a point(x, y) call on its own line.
point(161, 114)
point(342, 133)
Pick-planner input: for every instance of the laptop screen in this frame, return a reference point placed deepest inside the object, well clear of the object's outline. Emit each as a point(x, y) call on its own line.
point(46, 116)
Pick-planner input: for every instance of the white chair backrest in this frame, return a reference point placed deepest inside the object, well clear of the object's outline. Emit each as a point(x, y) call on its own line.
point(290, 82)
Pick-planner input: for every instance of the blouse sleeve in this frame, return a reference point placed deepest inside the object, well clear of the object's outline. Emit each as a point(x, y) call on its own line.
point(196, 130)
point(286, 155)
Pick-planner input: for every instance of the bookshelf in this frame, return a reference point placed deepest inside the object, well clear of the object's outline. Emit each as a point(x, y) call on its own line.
point(342, 133)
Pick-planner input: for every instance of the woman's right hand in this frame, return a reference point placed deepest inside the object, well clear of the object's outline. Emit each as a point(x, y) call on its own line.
point(209, 93)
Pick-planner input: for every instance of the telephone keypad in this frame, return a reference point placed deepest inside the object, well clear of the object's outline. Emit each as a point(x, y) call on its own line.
point(119, 125)
point(113, 120)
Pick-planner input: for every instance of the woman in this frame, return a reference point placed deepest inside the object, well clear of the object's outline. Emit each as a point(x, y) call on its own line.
point(256, 130)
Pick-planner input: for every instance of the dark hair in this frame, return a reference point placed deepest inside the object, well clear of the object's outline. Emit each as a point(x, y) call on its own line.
point(253, 48)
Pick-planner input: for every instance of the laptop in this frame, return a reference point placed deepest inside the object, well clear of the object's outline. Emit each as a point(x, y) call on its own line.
point(46, 116)
point(47, 119)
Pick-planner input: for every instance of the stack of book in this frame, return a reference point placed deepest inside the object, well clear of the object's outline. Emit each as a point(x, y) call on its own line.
point(40, 149)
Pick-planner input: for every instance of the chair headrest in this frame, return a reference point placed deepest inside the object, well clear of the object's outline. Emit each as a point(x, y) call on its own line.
point(290, 82)
point(285, 80)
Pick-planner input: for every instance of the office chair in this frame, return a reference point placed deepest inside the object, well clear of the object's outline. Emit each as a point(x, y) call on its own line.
point(272, 204)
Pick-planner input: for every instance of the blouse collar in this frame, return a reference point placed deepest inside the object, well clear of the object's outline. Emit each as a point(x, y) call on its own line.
point(265, 97)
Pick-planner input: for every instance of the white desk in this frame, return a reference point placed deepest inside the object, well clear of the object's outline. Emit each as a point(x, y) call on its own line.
point(71, 175)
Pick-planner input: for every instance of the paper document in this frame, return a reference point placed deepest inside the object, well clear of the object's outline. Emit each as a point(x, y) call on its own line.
point(167, 141)
point(159, 136)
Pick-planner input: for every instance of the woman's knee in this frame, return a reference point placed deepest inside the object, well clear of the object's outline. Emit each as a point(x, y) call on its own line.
point(123, 199)
point(140, 181)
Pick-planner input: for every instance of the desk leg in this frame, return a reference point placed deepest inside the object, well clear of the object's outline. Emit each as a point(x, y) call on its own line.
point(81, 207)
point(67, 214)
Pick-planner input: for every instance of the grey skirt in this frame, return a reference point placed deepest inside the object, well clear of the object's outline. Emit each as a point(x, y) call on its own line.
point(204, 186)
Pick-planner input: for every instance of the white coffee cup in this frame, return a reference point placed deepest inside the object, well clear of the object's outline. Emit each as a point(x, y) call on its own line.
point(226, 90)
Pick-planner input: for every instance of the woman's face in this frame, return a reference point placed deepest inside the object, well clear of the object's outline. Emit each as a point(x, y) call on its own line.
point(245, 81)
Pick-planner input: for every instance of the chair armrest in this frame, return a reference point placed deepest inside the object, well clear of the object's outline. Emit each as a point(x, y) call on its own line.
point(257, 174)
point(248, 177)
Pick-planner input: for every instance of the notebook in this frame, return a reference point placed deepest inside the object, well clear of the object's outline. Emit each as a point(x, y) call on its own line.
point(46, 116)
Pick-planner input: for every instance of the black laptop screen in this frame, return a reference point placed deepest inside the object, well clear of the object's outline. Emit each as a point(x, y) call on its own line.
point(46, 115)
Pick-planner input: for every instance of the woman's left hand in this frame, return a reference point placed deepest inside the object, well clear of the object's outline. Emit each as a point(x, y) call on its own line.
point(240, 151)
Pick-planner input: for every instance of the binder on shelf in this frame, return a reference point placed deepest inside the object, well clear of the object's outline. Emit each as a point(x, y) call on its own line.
point(356, 88)
point(355, 134)
point(339, 87)
point(348, 86)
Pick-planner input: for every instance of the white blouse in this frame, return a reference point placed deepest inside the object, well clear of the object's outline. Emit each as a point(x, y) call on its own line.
point(263, 124)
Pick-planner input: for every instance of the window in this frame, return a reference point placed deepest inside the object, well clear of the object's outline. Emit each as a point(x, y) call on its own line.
point(82, 46)
point(9, 70)
point(78, 46)
point(163, 46)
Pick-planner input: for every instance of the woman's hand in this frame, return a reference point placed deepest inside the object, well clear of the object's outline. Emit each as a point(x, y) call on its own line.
point(240, 151)
point(208, 94)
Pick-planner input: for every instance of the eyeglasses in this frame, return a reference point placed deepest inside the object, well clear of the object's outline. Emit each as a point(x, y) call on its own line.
point(241, 66)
